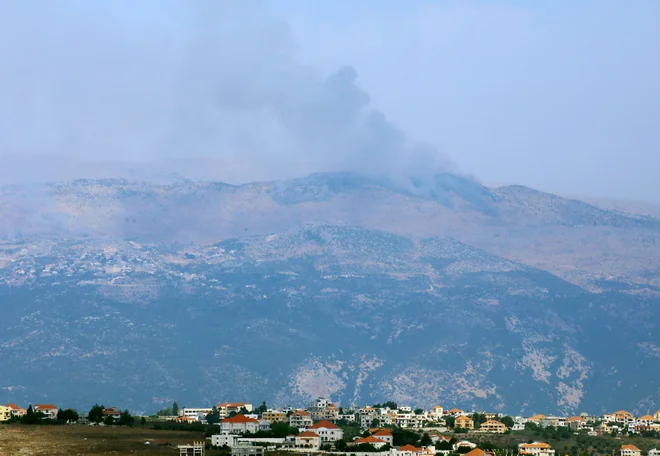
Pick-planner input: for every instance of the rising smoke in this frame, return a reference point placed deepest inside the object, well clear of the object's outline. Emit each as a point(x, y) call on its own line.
point(167, 81)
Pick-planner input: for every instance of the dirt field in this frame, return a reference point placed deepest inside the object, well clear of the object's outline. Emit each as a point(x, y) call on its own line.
point(89, 440)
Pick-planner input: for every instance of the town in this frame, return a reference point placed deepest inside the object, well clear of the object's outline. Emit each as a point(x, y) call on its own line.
point(387, 428)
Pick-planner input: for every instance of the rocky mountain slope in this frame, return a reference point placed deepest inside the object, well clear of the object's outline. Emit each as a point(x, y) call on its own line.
point(353, 286)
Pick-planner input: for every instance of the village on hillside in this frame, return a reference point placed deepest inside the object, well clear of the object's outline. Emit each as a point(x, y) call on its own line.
point(359, 431)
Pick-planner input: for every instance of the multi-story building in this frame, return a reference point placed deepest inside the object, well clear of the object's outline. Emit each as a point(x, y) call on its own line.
point(493, 426)
point(407, 419)
point(227, 408)
point(308, 439)
point(623, 417)
point(385, 436)
point(646, 420)
point(16, 410)
point(464, 422)
point(535, 449)
point(239, 424)
point(630, 450)
point(274, 416)
point(576, 423)
point(300, 419)
point(328, 431)
point(196, 413)
point(436, 413)
point(348, 417)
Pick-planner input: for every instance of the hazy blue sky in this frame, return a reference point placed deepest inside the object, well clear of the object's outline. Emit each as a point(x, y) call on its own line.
point(559, 95)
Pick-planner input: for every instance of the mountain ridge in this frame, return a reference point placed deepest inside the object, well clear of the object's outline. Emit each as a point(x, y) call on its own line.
point(341, 288)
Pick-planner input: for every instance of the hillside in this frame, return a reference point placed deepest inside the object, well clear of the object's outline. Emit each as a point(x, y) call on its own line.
point(357, 287)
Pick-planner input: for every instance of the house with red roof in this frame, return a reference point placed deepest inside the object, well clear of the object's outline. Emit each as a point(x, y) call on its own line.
point(371, 440)
point(239, 424)
point(409, 450)
point(535, 449)
point(111, 411)
point(16, 410)
point(329, 432)
point(49, 410)
point(479, 452)
point(385, 436)
point(630, 450)
point(308, 439)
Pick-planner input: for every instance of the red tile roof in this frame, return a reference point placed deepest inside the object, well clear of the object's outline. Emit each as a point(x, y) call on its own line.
point(45, 407)
point(324, 424)
point(300, 412)
point(370, 439)
point(13, 406)
point(630, 447)
point(410, 448)
point(239, 419)
point(308, 434)
point(383, 432)
point(477, 452)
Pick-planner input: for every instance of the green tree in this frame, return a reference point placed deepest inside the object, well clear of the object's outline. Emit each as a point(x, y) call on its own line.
point(95, 414)
point(214, 416)
point(449, 421)
point(175, 409)
point(365, 447)
point(67, 416)
point(109, 420)
point(426, 440)
point(341, 445)
point(403, 437)
point(507, 421)
point(375, 422)
point(32, 417)
point(263, 408)
point(391, 404)
point(282, 430)
point(126, 419)
point(143, 421)
point(444, 446)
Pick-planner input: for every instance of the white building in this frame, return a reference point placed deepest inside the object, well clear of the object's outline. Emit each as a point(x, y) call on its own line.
point(239, 424)
point(198, 413)
point(220, 440)
point(49, 410)
point(327, 431)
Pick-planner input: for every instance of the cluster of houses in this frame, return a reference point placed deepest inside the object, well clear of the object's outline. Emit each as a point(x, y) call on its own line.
point(318, 427)
point(407, 417)
point(9, 411)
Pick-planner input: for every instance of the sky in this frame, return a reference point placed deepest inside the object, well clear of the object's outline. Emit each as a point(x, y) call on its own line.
point(563, 96)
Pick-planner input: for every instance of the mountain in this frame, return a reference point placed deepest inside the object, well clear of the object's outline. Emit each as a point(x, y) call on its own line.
point(353, 286)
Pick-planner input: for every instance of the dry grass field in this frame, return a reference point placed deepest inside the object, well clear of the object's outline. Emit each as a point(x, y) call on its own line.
point(89, 440)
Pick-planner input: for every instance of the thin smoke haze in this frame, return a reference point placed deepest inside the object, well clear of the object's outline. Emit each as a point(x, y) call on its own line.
point(210, 89)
